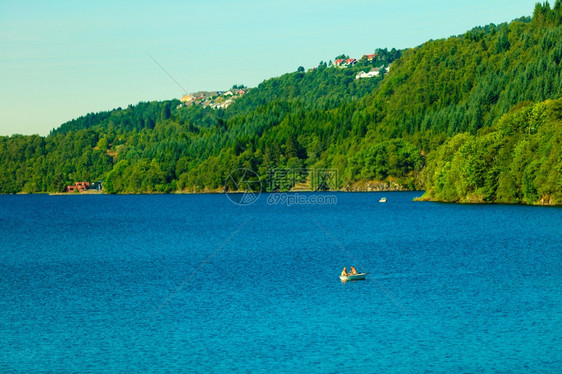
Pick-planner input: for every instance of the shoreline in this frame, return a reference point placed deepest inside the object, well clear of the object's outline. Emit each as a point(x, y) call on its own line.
point(206, 192)
point(473, 201)
point(421, 198)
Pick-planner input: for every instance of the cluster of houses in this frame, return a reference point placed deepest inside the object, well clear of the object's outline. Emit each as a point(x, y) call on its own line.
point(213, 99)
point(344, 63)
point(223, 99)
point(347, 62)
point(85, 186)
point(374, 72)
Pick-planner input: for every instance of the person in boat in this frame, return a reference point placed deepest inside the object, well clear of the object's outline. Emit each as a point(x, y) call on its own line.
point(353, 271)
point(344, 272)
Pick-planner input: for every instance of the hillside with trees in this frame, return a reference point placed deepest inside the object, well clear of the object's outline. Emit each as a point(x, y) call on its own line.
point(404, 127)
point(518, 160)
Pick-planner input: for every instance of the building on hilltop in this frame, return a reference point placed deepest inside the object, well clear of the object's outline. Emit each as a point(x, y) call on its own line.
point(341, 63)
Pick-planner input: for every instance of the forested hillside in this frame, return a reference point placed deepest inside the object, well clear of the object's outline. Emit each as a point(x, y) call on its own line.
point(442, 94)
point(519, 159)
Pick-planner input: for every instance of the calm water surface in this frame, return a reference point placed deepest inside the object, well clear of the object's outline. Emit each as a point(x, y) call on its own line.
point(195, 283)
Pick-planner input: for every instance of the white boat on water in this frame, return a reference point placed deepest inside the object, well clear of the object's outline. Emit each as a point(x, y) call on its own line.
point(358, 276)
point(382, 200)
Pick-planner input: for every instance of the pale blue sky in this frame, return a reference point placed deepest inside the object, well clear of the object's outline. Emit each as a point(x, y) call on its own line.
point(62, 59)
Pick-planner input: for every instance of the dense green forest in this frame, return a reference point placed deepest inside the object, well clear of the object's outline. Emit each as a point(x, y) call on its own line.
point(446, 117)
point(519, 159)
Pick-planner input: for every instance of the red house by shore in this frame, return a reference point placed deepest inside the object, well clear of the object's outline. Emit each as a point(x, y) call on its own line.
point(78, 186)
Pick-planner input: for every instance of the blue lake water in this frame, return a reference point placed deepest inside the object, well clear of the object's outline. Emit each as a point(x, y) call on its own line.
point(195, 283)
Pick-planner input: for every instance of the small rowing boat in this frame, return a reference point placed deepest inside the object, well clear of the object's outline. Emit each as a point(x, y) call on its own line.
point(358, 276)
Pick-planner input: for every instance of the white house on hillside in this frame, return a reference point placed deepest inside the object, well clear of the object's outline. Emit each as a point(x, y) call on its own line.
point(372, 73)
